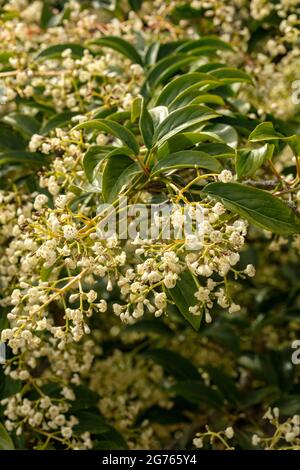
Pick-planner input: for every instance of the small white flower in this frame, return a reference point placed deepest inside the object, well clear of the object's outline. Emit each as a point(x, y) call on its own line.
point(69, 231)
point(229, 432)
point(225, 176)
point(255, 439)
point(250, 270)
point(40, 201)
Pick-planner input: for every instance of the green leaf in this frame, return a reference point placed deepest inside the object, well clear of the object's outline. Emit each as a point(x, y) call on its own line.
point(85, 398)
point(217, 150)
point(187, 159)
point(209, 98)
point(111, 127)
point(5, 441)
point(230, 75)
point(119, 45)
point(150, 326)
point(183, 296)
point(266, 131)
point(289, 405)
point(151, 54)
point(59, 120)
point(118, 173)
point(54, 52)
point(226, 133)
point(257, 206)
point(181, 119)
point(136, 107)
point(177, 86)
point(225, 384)
point(249, 161)
point(146, 126)
point(27, 125)
point(10, 139)
point(196, 392)
point(166, 67)
point(224, 335)
point(46, 15)
point(94, 155)
point(185, 140)
point(173, 363)
point(26, 158)
point(210, 42)
point(91, 422)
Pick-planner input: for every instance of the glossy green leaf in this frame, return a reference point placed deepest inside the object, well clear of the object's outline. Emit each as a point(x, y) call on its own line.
point(182, 119)
point(90, 422)
point(225, 384)
point(53, 52)
point(23, 157)
point(46, 15)
point(249, 161)
point(257, 206)
point(183, 296)
point(173, 363)
point(226, 133)
point(91, 159)
point(230, 75)
point(119, 45)
point(118, 173)
point(111, 127)
point(180, 84)
point(165, 67)
point(10, 138)
point(218, 150)
point(185, 140)
point(146, 126)
point(212, 42)
point(59, 120)
point(266, 131)
point(187, 159)
point(197, 392)
point(27, 125)
point(135, 109)
point(5, 441)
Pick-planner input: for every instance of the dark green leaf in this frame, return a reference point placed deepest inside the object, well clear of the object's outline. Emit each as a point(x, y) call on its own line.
point(249, 161)
point(27, 125)
point(183, 296)
point(146, 126)
point(25, 158)
point(266, 131)
point(187, 159)
point(257, 206)
point(119, 45)
point(94, 155)
point(173, 363)
point(212, 42)
point(230, 75)
point(5, 441)
point(178, 85)
point(225, 384)
point(181, 119)
point(54, 52)
point(59, 120)
point(196, 392)
point(118, 173)
point(114, 128)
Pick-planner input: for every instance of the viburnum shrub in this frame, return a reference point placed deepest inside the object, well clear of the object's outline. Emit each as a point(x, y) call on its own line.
point(149, 235)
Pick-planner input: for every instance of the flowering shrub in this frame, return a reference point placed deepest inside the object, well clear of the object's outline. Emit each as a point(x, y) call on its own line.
point(149, 227)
